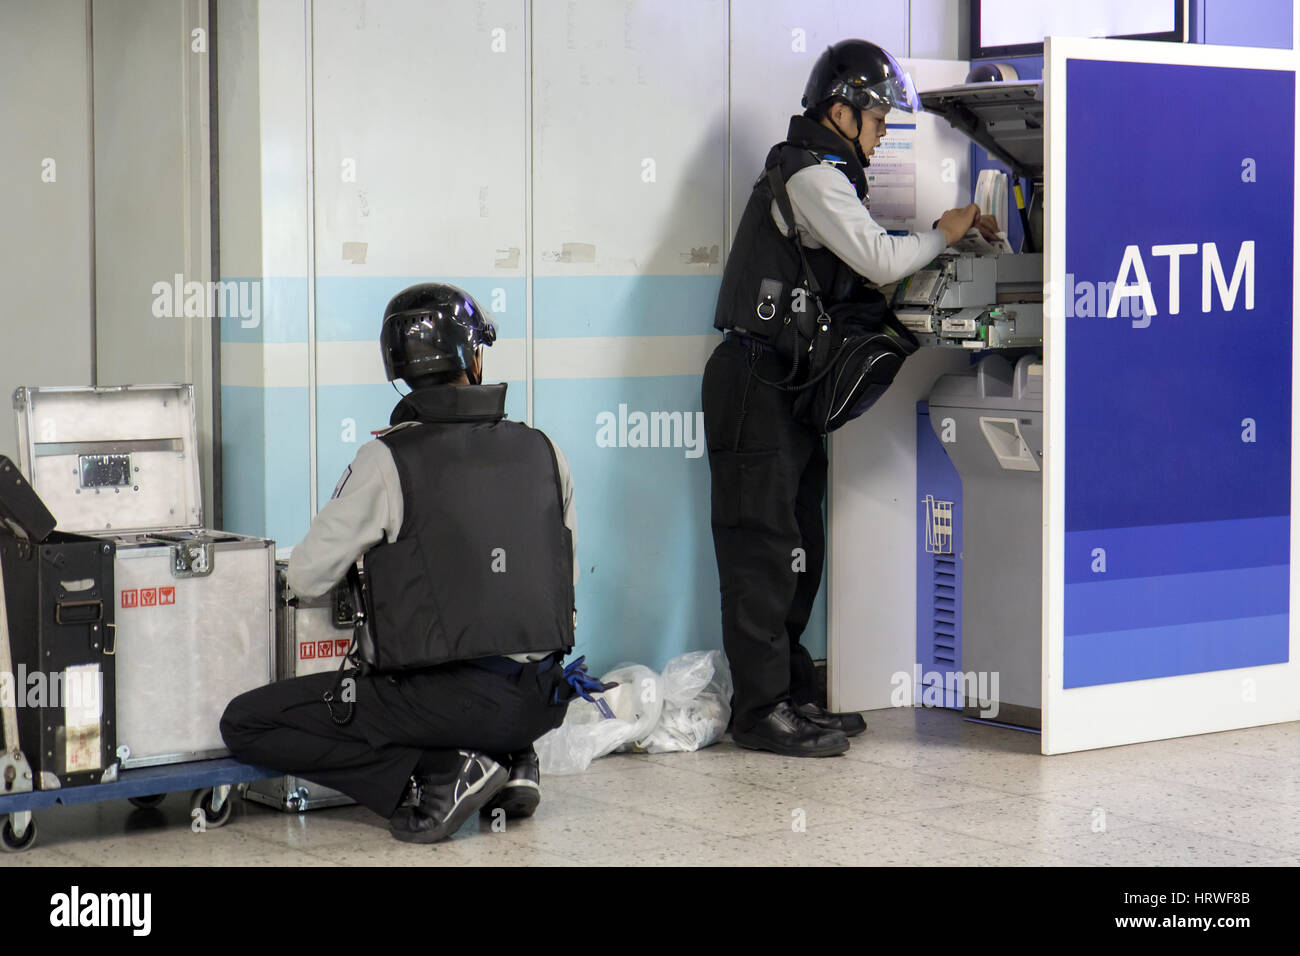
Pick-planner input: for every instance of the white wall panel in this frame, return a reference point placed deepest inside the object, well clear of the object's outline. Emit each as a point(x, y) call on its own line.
point(629, 120)
point(282, 71)
point(420, 137)
point(774, 44)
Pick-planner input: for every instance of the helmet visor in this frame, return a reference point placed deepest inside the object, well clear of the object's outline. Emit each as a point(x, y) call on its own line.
point(896, 92)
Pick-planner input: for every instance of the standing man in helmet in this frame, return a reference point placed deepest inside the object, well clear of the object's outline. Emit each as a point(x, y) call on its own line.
point(468, 525)
point(769, 468)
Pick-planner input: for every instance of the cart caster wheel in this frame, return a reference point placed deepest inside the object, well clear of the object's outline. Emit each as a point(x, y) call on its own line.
point(202, 800)
point(148, 802)
point(15, 844)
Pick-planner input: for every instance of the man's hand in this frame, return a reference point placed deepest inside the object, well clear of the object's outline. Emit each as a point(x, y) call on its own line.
point(954, 223)
point(988, 227)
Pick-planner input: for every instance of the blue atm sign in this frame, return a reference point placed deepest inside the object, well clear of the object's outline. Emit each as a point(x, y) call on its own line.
point(1178, 374)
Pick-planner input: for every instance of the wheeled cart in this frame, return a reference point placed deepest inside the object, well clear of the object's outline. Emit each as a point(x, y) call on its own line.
point(209, 781)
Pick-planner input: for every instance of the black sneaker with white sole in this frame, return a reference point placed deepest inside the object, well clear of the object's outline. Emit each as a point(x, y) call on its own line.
point(438, 809)
point(523, 791)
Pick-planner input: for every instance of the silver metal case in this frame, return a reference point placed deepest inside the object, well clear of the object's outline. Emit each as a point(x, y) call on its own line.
point(312, 637)
point(195, 608)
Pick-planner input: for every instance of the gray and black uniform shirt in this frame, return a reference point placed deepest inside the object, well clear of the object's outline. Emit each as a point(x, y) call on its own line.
point(366, 509)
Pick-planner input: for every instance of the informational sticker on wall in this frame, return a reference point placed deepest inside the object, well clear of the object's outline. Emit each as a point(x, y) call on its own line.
point(83, 709)
point(891, 177)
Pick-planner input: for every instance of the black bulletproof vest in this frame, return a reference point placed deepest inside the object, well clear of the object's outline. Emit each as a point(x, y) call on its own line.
point(483, 563)
point(763, 262)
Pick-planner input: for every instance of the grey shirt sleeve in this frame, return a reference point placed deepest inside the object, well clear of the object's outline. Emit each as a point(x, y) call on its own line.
point(365, 509)
point(828, 213)
point(570, 509)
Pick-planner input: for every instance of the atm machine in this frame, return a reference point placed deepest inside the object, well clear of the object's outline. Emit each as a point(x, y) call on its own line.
point(989, 419)
point(1045, 494)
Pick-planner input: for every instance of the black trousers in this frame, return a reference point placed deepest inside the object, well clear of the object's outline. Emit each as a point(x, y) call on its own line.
point(768, 481)
point(420, 718)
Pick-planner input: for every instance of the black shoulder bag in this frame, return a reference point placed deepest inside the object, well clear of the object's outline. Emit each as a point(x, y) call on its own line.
point(853, 350)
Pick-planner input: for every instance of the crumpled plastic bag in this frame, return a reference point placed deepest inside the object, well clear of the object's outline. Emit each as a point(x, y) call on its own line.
point(618, 717)
point(697, 704)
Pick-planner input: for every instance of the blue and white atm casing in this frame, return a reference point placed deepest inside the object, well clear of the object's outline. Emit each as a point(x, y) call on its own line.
point(1169, 480)
point(1169, 487)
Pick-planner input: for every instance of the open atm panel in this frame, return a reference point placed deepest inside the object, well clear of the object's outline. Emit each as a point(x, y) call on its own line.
point(973, 296)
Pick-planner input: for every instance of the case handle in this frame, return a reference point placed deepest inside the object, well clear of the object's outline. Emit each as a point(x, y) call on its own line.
point(78, 611)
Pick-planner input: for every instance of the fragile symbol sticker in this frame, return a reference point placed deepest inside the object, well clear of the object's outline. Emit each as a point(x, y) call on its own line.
point(166, 595)
point(306, 650)
point(130, 597)
point(340, 647)
point(148, 597)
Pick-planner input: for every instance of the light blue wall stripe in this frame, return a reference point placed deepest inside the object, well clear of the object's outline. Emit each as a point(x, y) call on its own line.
point(623, 305)
point(284, 312)
point(287, 473)
point(243, 451)
point(351, 308)
point(265, 473)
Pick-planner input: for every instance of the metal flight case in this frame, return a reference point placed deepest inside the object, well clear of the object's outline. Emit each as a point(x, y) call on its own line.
point(194, 607)
point(56, 648)
point(312, 637)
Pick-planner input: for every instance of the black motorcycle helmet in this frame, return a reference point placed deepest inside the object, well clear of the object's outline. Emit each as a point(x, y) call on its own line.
point(432, 328)
point(861, 74)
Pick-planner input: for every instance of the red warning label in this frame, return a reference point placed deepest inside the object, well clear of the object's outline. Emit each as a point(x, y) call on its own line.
point(324, 648)
point(340, 647)
point(147, 597)
point(306, 650)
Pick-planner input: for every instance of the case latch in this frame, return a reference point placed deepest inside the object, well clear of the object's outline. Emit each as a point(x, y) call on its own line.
point(192, 559)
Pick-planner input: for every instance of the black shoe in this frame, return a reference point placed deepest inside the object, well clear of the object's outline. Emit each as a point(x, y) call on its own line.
point(849, 724)
point(784, 731)
point(523, 790)
point(437, 809)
